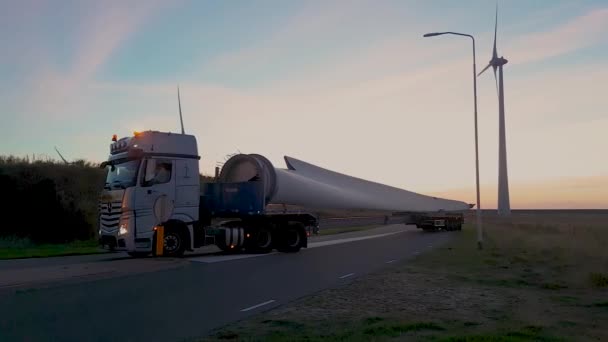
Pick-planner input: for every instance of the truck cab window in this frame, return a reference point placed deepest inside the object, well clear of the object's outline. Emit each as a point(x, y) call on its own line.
point(157, 172)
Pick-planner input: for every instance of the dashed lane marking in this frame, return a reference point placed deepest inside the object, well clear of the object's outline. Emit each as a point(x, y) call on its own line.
point(258, 305)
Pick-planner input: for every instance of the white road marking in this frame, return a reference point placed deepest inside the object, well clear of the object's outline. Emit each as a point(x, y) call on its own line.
point(347, 275)
point(391, 261)
point(12, 285)
point(257, 306)
point(221, 258)
point(416, 253)
point(340, 241)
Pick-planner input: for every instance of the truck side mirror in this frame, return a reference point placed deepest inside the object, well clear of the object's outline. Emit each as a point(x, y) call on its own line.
point(149, 171)
point(105, 164)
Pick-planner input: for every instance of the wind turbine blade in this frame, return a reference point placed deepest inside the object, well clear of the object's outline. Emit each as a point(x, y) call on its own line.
point(179, 103)
point(494, 53)
point(60, 156)
point(486, 68)
point(496, 81)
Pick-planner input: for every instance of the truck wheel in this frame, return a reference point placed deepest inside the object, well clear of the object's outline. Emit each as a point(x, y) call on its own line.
point(174, 244)
point(232, 246)
point(262, 241)
point(291, 240)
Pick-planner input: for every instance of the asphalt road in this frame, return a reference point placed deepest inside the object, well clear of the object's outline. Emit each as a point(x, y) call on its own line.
point(199, 293)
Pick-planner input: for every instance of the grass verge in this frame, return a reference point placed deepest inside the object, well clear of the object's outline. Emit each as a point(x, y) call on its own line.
point(540, 277)
point(23, 248)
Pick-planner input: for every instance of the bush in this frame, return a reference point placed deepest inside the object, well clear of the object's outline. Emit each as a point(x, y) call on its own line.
point(49, 201)
point(598, 279)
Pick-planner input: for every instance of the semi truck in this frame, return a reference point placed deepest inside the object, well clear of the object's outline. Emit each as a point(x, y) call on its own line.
point(153, 201)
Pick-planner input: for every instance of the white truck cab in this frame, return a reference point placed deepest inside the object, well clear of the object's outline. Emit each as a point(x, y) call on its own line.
point(152, 179)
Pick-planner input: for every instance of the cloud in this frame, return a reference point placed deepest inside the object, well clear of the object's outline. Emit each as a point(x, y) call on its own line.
point(101, 30)
point(404, 54)
point(398, 110)
point(579, 32)
point(590, 192)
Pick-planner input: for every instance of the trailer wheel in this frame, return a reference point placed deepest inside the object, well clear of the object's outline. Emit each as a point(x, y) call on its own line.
point(174, 244)
point(292, 238)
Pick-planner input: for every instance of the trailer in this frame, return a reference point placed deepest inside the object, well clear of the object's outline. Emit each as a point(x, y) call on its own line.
point(438, 221)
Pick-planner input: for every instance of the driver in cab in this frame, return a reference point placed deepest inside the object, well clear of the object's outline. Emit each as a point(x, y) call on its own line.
point(162, 173)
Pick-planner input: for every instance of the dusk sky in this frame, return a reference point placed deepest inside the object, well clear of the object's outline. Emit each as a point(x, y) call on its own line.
point(347, 85)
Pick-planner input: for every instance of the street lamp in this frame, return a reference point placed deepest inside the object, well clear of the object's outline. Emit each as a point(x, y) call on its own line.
point(479, 228)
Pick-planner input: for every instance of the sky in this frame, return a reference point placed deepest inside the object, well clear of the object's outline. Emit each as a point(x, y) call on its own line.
point(351, 86)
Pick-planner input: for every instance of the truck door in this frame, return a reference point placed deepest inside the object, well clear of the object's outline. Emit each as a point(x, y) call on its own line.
point(157, 189)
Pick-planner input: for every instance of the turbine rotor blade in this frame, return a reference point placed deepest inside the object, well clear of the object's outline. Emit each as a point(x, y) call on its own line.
point(179, 103)
point(496, 80)
point(61, 156)
point(486, 68)
point(494, 53)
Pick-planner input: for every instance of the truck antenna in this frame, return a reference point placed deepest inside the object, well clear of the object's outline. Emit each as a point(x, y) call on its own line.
point(179, 103)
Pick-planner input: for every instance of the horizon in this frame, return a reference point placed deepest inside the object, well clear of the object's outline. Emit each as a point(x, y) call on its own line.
point(355, 89)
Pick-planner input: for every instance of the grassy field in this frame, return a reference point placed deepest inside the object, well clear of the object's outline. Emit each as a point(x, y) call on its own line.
point(541, 277)
point(23, 248)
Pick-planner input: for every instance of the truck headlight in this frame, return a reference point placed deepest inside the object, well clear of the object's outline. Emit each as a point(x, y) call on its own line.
point(123, 229)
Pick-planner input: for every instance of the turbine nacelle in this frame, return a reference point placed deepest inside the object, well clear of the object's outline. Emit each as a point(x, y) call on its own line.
point(498, 61)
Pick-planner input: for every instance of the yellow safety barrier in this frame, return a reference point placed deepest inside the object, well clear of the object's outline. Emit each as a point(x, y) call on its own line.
point(160, 239)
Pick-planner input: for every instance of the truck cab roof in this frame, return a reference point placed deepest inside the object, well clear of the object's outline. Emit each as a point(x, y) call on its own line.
point(154, 143)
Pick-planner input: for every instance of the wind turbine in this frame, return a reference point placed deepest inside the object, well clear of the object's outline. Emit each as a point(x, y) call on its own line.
point(504, 205)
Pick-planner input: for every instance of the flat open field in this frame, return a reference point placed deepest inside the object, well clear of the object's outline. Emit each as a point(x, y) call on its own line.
point(542, 276)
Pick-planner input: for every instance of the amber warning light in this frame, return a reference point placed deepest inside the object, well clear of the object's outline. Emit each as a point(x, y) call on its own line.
point(114, 137)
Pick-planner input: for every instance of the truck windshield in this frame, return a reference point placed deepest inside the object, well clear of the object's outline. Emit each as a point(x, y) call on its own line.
point(122, 175)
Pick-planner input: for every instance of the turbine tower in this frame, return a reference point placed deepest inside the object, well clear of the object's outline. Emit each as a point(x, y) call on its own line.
point(504, 205)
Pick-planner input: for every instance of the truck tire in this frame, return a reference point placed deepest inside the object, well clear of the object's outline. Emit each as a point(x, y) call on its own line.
point(236, 238)
point(291, 238)
point(174, 244)
point(262, 241)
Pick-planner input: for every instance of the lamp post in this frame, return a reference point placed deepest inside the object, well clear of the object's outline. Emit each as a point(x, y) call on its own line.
point(479, 227)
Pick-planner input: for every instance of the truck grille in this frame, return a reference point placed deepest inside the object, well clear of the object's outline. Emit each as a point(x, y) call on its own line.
point(109, 215)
